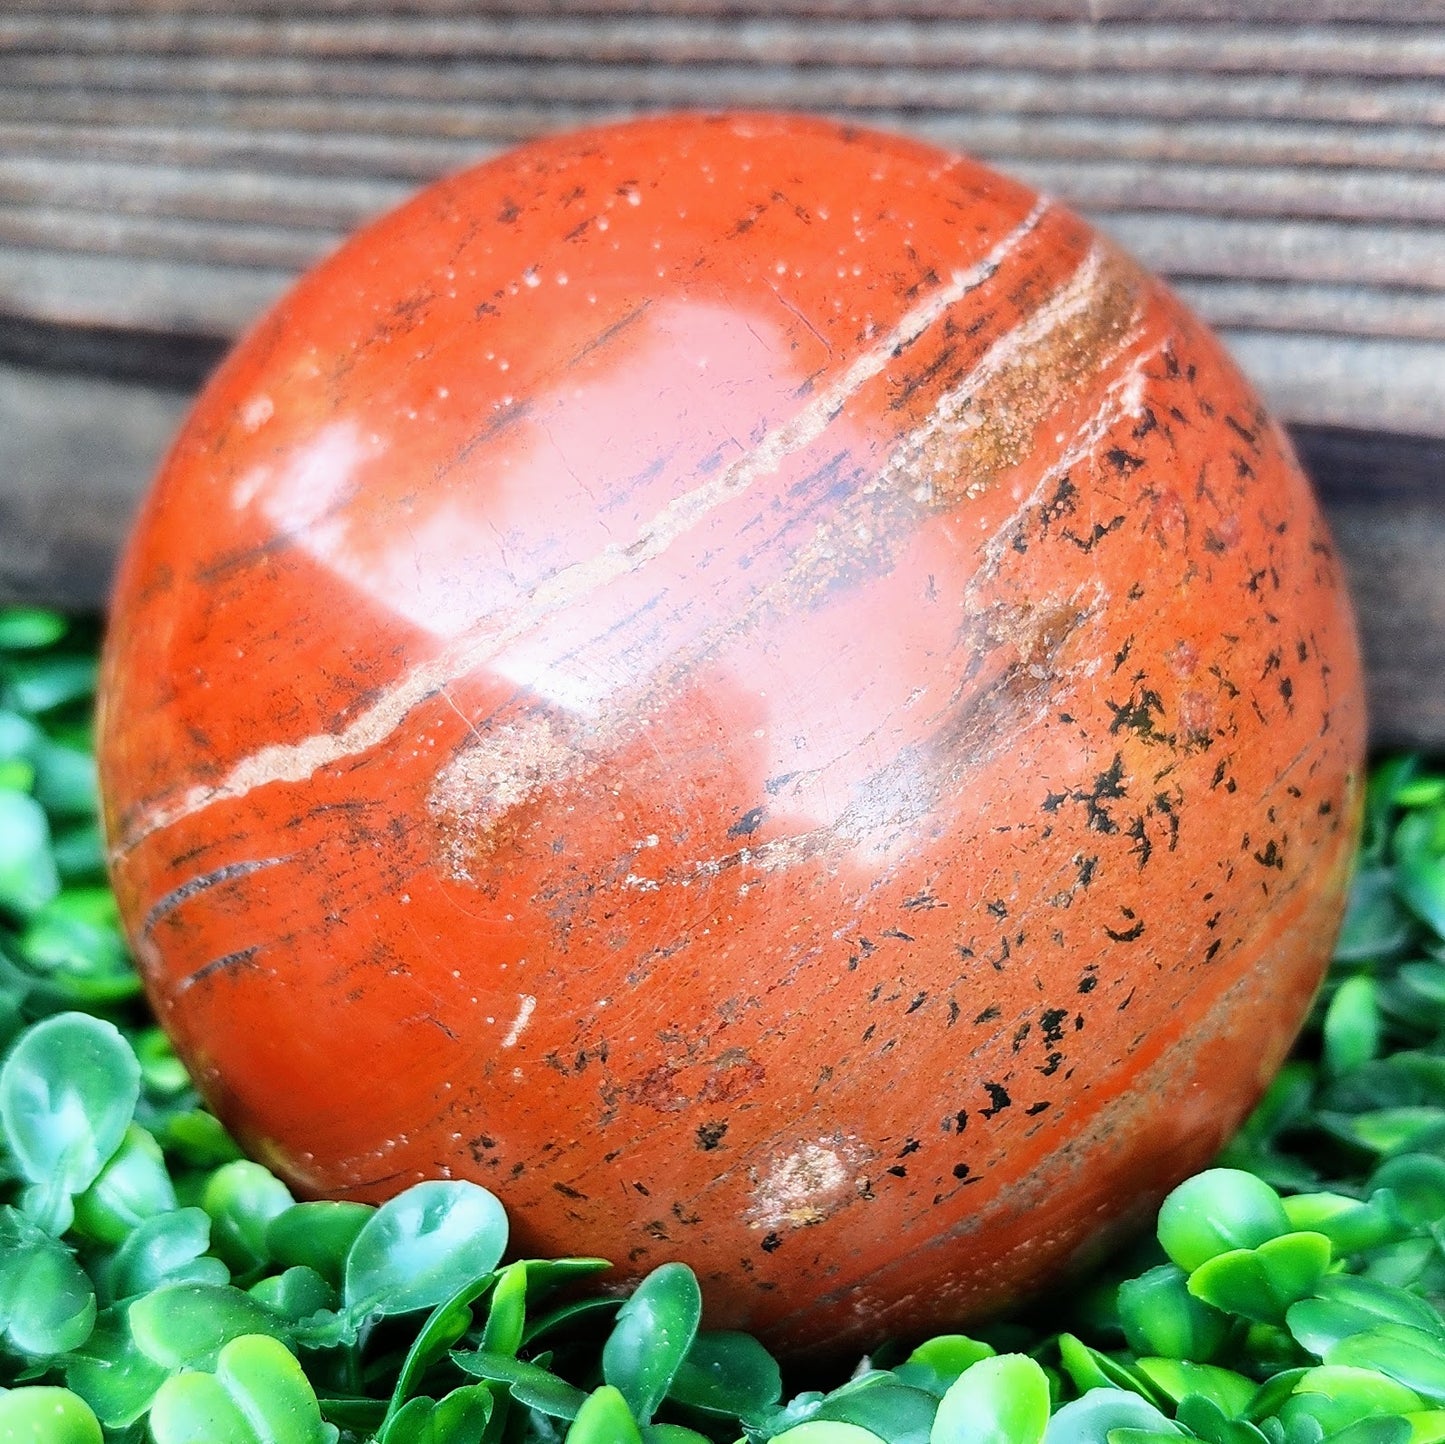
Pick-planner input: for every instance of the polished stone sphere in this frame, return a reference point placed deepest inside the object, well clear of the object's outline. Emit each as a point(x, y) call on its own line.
point(759, 689)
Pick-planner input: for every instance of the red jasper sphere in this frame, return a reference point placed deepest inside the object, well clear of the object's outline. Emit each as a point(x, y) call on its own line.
point(755, 687)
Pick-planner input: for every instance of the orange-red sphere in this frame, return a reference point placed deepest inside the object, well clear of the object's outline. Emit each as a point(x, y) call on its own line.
point(758, 689)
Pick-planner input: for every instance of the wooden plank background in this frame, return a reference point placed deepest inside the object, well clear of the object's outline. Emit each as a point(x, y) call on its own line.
point(167, 166)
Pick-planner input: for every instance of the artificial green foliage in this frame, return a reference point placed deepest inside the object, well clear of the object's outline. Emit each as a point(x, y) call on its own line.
point(157, 1288)
point(411, 1252)
point(1002, 1400)
point(45, 1414)
point(651, 1339)
point(257, 1394)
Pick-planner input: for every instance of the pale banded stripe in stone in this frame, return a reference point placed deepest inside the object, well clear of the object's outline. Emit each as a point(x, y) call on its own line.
point(684, 512)
point(1123, 397)
point(1032, 346)
point(859, 827)
point(296, 761)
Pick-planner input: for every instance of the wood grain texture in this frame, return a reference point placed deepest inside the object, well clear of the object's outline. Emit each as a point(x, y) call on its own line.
point(1382, 496)
point(1235, 11)
point(75, 451)
point(1373, 50)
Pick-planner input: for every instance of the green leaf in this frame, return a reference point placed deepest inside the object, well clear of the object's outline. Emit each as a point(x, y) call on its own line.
point(1318, 1324)
point(444, 1326)
point(1091, 1369)
point(654, 1331)
point(1375, 1430)
point(74, 946)
point(1352, 1025)
point(604, 1418)
point(112, 1375)
point(826, 1431)
point(28, 876)
point(546, 1275)
point(1411, 790)
point(79, 852)
point(528, 1383)
point(185, 1326)
point(169, 1249)
point(47, 1303)
point(1416, 994)
point(507, 1316)
point(162, 1073)
point(1358, 1306)
point(65, 780)
point(1427, 1426)
point(1420, 870)
point(1161, 1317)
point(1176, 1379)
point(30, 629)
point(1388, 1304)
point(1002, 1400)
point(17, 774)
point(1350, 1225)
point(1261, 1283)
point(45, 682)
point(1416, 1182)
point(672, 1434)
point(458, 1418)
point(412, 1423)
point(1375, 924)
point(1410, 1356)
point(411, 1251)
point(132, 1187)
point(198, 1139)
point(1338, 1397)
point(294, 1295)
point(1406, 1128)
point(361, 1416)
point(935, 1364)
point(241, 1199)
point(257, 1395)
point(1219, 1211)
point(43, 1414)
point(727, 1374)
point(20, 739)
point(317, 1235)
point(896, 1413)
point(68, 1091)
point(566, 1316)
point(1387, 778)
point(1203, 1418)
point(1270, 1397)
point(1092, 1418)
point(1406, 1264)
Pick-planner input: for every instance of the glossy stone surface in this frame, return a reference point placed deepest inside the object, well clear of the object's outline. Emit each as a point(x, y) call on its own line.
point(756, 688)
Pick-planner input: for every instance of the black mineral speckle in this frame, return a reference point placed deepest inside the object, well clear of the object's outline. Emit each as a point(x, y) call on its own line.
point(710, 1135)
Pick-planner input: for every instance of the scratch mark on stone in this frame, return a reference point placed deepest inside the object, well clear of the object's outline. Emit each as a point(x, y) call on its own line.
point(242, 958)
point(177, 895)
point(519, 1023)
